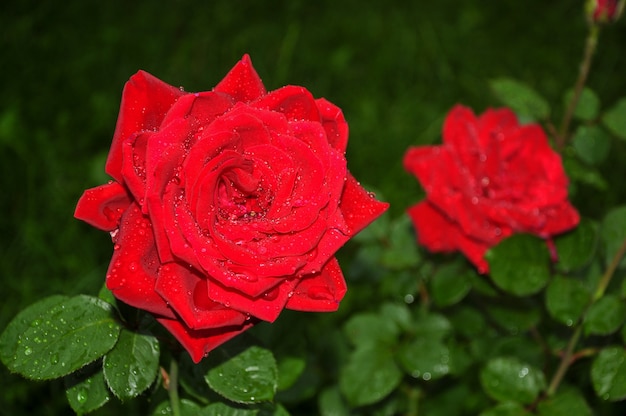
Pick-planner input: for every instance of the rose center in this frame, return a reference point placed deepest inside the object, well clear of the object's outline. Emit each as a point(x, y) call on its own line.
point(241, 195)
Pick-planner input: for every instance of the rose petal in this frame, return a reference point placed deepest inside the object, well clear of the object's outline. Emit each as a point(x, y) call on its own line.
point(321, 292)
point(103, 206)
point(187, 293)
point(199, 342)
point(334, 123)
point(266, 307)
point(438, 234)
point(145, 101)
point(134, 266)
point(296, 103)
point(134, 167)
point(358, 206)
point(242, 83)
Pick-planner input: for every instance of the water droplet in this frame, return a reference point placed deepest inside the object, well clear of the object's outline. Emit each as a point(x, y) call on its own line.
point(28, 351)
point(54, 359)
point(81, 396)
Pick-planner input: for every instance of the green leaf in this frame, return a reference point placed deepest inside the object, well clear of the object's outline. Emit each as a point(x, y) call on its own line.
point(368, 328)
point(615, 119)
point(591, 144)
point(567, 403)
point(432, 325)
point(274, 410)
point(132, 365)
point(605, 316)
point(330, 403)
point(398, 313)
point(461, 358)
point(514, 319)
point(608, 374)
point(520, 264)
point(10, 339)
point(579, 173)
point(222, 409)
point(305, 387)
point(482, 285)
point(508, 379)
point(521, 98)
point(468, 321)
point(106, 295)
point(613, 233)
point(289, 369)
point(401, 251)
point(425, 358)
point(369, 375)
point(588, 104)
point(187, 408)
point(520, 346)
point(248, 376)
point(577, 247)
point(61, 337)
point(450, 284)
point(566, 299)
point(86, 389)
point(505, 409)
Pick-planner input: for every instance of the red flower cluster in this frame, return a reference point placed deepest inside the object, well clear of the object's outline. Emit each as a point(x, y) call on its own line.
point(492, 177)
point(226, 206)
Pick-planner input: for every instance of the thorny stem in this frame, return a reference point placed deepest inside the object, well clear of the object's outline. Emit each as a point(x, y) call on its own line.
point(568, 357)
point(172, 388)
point(590, 47)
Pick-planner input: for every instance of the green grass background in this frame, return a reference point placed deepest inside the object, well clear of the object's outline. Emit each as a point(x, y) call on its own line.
point(394, 67)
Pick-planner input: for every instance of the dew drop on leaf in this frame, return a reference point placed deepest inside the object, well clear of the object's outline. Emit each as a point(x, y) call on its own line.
point(81, 396)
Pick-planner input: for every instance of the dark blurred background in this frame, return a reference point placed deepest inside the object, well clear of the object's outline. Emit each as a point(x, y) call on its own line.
point(394, 67)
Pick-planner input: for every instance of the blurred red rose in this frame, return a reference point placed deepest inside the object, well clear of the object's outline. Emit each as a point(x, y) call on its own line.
point(492, 177)
point(603, 11)
point(226, 206)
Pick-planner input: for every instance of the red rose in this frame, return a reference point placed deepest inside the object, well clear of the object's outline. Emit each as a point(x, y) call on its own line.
point(603, 11)
point(227, 205)
point(492, 177)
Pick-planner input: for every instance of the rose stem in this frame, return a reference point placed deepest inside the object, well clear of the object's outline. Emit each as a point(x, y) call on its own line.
point(172, 389)
point(567, 358)
point(590, 46)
